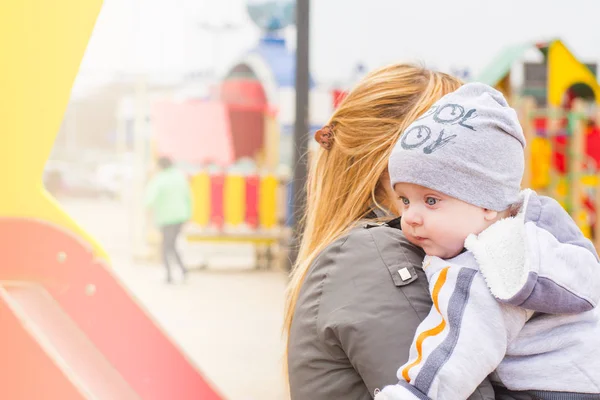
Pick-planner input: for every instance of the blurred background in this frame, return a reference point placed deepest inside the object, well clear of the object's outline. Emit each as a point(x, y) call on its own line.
point(211, 85)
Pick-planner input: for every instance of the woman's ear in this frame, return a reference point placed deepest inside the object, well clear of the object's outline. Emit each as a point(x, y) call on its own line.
point(490, 215)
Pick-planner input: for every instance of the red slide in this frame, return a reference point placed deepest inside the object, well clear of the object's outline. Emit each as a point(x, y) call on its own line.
point(71, 331)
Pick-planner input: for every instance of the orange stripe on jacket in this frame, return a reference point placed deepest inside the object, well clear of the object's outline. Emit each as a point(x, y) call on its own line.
point(433, 331)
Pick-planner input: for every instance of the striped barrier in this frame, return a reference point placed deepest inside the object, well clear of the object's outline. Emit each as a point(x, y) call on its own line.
point(236, 201)
point(235, 207)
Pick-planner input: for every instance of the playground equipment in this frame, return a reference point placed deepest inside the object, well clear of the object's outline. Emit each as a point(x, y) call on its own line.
point(560, 74)
point(561, 160)
point(70, 330)
point(239, 207)
point(249, 116)
point(556, 108)
point(223, 145)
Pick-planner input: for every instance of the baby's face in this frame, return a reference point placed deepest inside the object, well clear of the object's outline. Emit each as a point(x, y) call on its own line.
point(437, 223)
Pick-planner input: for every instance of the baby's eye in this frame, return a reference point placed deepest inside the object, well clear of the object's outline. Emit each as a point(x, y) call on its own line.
point(404, 200)
point(431, 201)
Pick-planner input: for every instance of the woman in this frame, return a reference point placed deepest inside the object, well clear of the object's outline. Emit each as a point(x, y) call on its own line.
point(357, 292)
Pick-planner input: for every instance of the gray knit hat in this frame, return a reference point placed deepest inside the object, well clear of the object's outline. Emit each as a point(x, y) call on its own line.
point(468, 145)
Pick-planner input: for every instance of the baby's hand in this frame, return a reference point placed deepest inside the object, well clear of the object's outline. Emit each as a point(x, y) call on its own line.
point(380, 396)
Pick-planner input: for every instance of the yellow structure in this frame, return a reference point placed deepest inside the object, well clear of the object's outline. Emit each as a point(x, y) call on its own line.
point(564, 71)
point(234, 200)
point(267, 202)
point(541, 156)
point(42, 44)
point(200, 187)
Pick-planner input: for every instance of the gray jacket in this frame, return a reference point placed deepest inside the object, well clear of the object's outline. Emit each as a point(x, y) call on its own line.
point(356, 317)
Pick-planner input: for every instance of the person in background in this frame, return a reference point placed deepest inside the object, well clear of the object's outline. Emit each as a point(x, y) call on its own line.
point(169, 198)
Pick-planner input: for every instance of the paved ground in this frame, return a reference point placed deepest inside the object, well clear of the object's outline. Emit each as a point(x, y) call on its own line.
point(226, 318)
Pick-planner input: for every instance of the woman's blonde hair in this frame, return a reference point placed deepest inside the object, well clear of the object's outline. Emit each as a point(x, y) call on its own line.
point(344, 182)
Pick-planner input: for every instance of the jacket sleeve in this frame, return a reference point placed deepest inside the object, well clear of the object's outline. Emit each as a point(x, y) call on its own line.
point(548, 214)
point(568, 277)
point(462, 340)
point(539, 260)
point(375, 323)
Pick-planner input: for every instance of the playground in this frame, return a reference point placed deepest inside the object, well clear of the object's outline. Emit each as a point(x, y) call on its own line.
point(86, 315)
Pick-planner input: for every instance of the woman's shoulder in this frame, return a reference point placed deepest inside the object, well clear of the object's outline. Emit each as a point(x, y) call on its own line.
point(370, 254)
point(373, 270)
point(382, 243)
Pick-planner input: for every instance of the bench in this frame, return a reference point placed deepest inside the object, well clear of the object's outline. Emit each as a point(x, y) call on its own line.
point(269, 245)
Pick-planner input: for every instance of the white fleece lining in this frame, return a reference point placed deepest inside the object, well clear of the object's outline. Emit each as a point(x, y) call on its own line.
point(501, 252)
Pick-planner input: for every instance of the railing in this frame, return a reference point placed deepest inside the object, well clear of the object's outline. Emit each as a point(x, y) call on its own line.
point(234, 207)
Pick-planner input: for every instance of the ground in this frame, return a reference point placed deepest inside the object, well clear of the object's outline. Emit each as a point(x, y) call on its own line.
point(226, 318)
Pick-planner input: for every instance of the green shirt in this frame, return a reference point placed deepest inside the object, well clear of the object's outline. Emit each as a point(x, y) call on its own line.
point(169, 197)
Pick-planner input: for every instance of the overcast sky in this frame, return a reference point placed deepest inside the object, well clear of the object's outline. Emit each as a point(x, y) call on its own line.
point(164, 36)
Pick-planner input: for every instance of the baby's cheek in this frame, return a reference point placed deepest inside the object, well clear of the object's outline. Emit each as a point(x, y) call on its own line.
point(454, 243)
point(403, 225)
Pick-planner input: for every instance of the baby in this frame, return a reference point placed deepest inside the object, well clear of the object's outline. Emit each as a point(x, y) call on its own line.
point(519, 300)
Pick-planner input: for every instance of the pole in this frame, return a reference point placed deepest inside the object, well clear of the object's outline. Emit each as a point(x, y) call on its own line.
point(140, 225)
point(597, 196)
point(138, 214)
point(301, 126)
point(525, 109)
point(577, 153)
